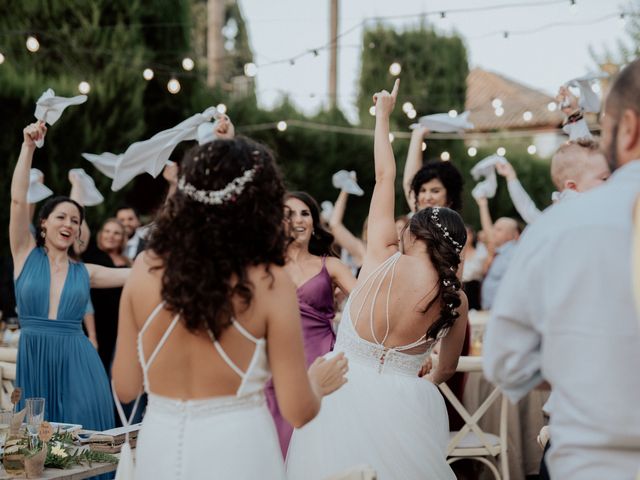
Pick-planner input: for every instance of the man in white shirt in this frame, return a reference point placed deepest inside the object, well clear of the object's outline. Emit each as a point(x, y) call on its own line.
point(129, 219)
point(565, 314)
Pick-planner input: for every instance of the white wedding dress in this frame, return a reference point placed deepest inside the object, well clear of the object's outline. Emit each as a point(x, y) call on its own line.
point(385, 416)
point(229, 437)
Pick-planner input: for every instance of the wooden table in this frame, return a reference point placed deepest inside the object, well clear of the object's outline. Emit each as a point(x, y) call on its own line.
point(76, 473)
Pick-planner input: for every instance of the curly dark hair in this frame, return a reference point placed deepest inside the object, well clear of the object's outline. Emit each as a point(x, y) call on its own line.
point(205, 247)
point(448, 174)
point(445, 259)
point(321, 242)
point(46, 210)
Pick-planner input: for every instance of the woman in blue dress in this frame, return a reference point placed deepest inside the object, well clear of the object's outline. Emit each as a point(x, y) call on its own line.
point(55, 359)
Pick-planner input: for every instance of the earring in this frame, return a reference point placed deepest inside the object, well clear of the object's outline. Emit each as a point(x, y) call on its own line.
point(43, 233)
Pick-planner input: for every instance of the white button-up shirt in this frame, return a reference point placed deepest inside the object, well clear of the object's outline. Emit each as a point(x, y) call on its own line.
point(565, 313)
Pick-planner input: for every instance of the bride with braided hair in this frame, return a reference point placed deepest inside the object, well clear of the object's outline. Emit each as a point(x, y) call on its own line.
point(208, 316)
point(406, 299)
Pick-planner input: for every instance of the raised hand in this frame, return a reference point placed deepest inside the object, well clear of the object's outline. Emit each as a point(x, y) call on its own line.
point(223, 127)
point(32, 133)
point(385, 101)
point(327, 376)
point(170, 172)
point(568, 101)
point(506, 170)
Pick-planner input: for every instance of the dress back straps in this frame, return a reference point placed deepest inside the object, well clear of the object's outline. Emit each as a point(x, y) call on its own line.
point(245, 333)
point(375, 279)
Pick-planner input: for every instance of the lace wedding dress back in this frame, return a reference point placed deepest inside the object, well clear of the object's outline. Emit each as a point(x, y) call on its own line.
point(385, 415)
point(229, 436)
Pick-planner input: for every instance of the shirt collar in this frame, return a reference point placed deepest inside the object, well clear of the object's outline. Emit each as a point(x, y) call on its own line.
point(630, 168)
point(506, 246)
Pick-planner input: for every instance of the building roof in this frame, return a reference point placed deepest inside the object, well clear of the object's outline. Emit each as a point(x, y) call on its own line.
point(483, 87)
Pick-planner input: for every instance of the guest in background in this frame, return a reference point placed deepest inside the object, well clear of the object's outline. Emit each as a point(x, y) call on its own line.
point(355, 246)
point(475, 256)
point(135, 232)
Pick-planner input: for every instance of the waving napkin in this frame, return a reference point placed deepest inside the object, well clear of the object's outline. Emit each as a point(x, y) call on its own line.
point(49, 108)
point(445, 123)
point(327, 210)
point(589, 100)
point(486, 168)
point(37, 190)
point(346, 181)
point(89, 194)
point(149, 155)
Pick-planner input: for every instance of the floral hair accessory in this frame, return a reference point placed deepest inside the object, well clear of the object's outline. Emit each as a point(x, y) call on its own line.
point(229, 193)
point(435, 216)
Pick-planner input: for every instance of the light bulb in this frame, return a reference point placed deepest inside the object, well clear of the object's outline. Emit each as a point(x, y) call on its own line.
point(407, 107)
point(147, 74)
point(221, 107)
point(1, 59)
point(527, 116)
point(551, 106)
point(391, 137)
point(496, 103)
point(453, 113)
point(188, 64)
point(445, 156)
point(532, 149)
point(424, 146)
point(282, 126)
point(84, 87)
point(499, 111)
point(501, 151)
point(372, 111)
point(250, 69)
point(33, 45)
point(412, 114)
point(595, 88)
point(472, 151)
point(395, 68)
point(173, 86)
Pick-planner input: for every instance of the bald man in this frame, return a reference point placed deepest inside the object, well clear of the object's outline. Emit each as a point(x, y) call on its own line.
point(579, 166)
point(565, 311)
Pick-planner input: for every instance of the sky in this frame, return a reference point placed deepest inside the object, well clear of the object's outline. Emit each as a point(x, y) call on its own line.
point(543, 59)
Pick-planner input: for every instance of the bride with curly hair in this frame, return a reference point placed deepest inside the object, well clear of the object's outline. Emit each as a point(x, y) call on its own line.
point(209, 314)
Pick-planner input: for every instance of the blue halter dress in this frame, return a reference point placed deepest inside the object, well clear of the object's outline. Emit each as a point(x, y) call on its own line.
point(55, 359)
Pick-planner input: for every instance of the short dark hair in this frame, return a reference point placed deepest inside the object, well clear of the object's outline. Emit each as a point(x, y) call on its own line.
point(448, 174)
point(128, 207)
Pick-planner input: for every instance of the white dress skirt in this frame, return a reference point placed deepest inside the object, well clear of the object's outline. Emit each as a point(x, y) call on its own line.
point(220, 438)
point(385, 416)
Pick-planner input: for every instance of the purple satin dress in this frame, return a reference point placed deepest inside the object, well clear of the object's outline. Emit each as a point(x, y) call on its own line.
point(315, 299)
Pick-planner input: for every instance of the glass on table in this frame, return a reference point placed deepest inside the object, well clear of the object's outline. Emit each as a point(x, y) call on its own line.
point(35, 417)
point(5, 423)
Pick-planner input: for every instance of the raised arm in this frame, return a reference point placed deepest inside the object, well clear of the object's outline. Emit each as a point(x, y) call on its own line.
point(343, 236)
point(381, 229)
point(298, 391)
point(413, 164)
point(20, 239)
point(519, 196)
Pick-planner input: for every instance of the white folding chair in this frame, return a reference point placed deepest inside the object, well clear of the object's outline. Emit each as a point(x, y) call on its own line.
point(471, 441)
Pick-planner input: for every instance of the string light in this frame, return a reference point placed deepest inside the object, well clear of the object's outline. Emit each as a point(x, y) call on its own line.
point(622, 18)
point(395, 68)
point(551, 106)
point(372, 111)
point(444, 156)
point(501, 151)
point(391, 137)
point(84, 87)
point(499, 111)
point(527, 116)
point(188, 64)
point(407, 107)
point(147, 74)
point(33, 45)
point(532, 149)
point(221, 107)
point(595, 88)
point(412, 114)
point(173, 86)
point(282, 126)
point(424, 146)
point(472, 151)
point(1, 59)
point(250, 69)
point(496, 102)
point(453, 113)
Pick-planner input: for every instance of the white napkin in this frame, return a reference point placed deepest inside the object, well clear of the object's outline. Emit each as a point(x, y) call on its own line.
point(327, 210)
point(37, 191)
point(49, 108)
point(206, 133)
point(444, 123)
point(589, 100)
point(346, 181)
point(577, 130)
point(105, 162)
point(486, 168)
point(89, 194)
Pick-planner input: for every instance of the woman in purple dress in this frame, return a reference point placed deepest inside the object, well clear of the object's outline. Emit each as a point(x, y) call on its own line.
point(316, 273)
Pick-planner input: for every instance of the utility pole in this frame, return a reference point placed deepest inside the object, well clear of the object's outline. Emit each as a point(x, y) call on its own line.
point(333, 55)
point(215, 41)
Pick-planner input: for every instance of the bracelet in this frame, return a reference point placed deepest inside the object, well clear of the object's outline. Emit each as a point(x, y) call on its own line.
point(574, 117)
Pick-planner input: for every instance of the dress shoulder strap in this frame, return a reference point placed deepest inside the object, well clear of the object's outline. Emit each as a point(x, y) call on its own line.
point(245, 333)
